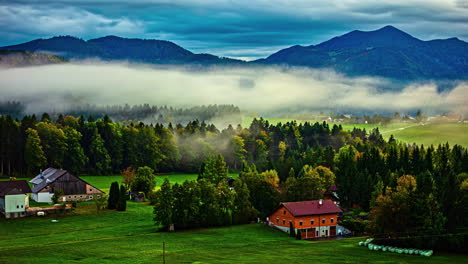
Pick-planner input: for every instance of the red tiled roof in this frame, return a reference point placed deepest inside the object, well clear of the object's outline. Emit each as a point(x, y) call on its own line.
point(312, 208)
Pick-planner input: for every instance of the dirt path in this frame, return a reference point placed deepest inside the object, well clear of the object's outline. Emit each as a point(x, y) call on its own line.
point(398, 129)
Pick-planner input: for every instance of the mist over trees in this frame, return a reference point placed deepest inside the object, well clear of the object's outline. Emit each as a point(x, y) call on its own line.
point(220, 115)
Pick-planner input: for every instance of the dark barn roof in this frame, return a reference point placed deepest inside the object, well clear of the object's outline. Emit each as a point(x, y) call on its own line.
point(312, 207)
point(14, 187)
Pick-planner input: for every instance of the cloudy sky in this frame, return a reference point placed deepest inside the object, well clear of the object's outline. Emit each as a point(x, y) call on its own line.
point(235, 28)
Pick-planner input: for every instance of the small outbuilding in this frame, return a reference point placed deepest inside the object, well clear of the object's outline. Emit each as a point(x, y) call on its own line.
point(14, 199)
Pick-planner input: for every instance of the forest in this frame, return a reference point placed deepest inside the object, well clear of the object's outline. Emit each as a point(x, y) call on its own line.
point(423, 187)
point(221, 115)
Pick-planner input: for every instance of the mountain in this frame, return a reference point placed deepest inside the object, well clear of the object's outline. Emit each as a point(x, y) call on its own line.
point(117, 48)
point(387, 52)
point(9, 58)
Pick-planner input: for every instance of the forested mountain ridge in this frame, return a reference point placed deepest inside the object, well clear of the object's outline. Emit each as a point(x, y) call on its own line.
point(387, 52)
point(10, 58)
point(120, 49)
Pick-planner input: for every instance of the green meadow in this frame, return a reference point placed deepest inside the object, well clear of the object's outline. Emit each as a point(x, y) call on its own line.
point(428, 134)
point(131, 237)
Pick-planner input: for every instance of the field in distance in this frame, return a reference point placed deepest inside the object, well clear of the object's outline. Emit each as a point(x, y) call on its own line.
point(453, 133)
point(130, 237)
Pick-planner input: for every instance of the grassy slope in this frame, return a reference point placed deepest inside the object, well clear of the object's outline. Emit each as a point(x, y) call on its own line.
point(406, 132)
point(129, 237)
point(434, 134)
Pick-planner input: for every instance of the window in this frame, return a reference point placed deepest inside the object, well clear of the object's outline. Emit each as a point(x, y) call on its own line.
point(90, 197)
point(17, 206)
point(312, 222)
point(323, 221)
point(69, 197)
point(284, 222)
point(22, 206)
point(81, 196)
point(90, 190)
point(331, 220)
point(300, 223)
point(284, 212)
point(98, 196)
point(74, 196)
point(277, 220)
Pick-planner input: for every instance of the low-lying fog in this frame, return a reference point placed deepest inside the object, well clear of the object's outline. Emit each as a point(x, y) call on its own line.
point(260, 89)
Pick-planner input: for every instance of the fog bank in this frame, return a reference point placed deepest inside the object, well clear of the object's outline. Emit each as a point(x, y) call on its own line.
point(261, 89)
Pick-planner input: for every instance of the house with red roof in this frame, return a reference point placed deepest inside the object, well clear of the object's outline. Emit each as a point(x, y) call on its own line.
point(312, 219)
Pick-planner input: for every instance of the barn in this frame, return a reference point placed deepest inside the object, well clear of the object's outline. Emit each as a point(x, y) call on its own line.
point(312, 219)
point(73, 188)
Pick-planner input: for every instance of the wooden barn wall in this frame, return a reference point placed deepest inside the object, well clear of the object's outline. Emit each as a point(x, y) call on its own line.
point(70, 184)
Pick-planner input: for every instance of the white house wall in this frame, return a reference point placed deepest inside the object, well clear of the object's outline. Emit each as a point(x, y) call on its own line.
point(42, 197)
point(16, 203)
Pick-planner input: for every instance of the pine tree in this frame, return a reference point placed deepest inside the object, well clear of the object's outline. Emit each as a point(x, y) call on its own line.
point(113, 196)
point(122, 203)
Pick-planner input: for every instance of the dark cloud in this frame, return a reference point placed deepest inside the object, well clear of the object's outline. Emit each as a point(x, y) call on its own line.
point(229, 28)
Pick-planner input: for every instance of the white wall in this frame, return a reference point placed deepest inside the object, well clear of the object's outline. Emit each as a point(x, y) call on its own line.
point(42, 197)
point(16, 203)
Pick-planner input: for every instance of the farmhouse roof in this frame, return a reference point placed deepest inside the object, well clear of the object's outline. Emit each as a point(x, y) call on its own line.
point(312, 207)
point(45, 178)
point(14, 187)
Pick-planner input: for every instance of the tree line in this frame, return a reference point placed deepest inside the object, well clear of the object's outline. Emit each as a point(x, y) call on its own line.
point(222, 115)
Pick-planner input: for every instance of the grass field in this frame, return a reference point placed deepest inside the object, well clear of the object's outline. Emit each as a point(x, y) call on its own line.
point(434, 134)
point(428, 134)
point(130, 237)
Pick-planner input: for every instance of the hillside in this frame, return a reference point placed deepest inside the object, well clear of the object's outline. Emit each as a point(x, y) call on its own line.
point(120, 49)
point(24, 58)
point(387, 52)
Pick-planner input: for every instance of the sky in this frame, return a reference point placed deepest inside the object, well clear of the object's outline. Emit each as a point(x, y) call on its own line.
point(246, 29)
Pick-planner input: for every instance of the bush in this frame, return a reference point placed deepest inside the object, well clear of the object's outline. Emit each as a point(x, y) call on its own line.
point(356, 226)
point(55, 198)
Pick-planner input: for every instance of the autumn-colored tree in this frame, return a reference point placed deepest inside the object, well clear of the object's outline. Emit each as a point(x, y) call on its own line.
point(128, 177)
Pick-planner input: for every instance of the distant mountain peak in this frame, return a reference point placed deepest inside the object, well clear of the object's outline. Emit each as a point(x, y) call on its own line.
point(388, 36)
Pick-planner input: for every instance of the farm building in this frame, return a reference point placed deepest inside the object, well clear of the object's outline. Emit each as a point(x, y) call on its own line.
point(14, 198)
point(73, 188)
point(312, 218)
